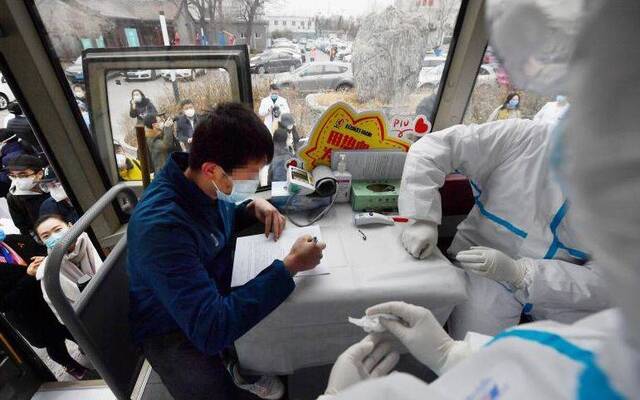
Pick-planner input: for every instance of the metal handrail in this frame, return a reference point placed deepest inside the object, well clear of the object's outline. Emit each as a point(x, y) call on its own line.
point(54, 289)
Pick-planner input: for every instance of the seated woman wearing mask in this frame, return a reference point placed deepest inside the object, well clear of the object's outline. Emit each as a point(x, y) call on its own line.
point(21, 302)
point(79, 264)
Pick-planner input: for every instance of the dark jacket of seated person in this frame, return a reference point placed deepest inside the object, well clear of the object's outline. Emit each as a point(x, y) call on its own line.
point(180, 242)
point(180, 266)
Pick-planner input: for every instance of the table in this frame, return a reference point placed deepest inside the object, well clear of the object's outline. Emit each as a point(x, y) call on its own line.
point(310, 328)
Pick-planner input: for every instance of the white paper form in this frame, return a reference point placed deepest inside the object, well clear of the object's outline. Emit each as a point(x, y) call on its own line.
point(255, 253)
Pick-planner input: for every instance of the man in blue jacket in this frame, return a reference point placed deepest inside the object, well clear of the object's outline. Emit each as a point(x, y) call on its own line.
point(183, 311)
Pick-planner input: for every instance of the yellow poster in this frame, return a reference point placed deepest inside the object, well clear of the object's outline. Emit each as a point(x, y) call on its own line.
point(341, 127)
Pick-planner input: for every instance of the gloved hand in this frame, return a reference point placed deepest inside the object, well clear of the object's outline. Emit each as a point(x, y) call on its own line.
point(422, 335)
point(369, 358)
point(420, 239)
point(493, 264)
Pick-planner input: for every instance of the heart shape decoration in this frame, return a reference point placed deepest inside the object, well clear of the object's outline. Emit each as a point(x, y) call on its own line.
point(421, 125)
point(342, 128)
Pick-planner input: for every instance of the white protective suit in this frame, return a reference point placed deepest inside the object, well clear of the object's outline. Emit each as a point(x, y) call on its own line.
point(599, 356)
point(520, 210)
point(265, 110)
point(551, 112)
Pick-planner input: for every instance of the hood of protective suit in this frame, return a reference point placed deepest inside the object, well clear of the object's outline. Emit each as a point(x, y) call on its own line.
point(604, 152)
point(535, 39)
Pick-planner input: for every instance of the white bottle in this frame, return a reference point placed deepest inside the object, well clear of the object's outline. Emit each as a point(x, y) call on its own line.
point(343, 181)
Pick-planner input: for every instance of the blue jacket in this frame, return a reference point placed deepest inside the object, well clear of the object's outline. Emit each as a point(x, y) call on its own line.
point(180, 262)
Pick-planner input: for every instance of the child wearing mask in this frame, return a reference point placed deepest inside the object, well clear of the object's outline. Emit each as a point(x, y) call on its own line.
point(129, 168)
point(79, 264)
point(25, 195)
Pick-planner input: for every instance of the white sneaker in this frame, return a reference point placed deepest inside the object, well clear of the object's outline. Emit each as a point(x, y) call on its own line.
point(267, 387)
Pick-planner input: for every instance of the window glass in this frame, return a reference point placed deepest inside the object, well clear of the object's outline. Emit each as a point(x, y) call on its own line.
point(375, 55)
point(495, 97)
point(396, 48)
point(168, 102)
point(334, 69)
point(313, 70)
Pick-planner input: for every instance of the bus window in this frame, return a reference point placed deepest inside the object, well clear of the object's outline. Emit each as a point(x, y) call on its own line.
point(177, 98)
point(494, 97)
point(370, 56)
point(388, 56)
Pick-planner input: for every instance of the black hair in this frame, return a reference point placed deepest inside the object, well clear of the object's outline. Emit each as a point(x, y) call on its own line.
point(14, 108)
point(139, 91)
point(149, 120)
point(231, 135)
point(511, 96)
point(274, 86)
point(4, 134)
point(185, 102)
point(280, 136)
point(45, 217)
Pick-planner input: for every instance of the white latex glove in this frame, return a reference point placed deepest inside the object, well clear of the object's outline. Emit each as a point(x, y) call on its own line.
point(369, 358)
point(493, 264)
point(420, 239)
point(422, 335)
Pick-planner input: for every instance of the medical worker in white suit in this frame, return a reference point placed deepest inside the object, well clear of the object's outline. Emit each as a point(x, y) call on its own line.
point(597, 357)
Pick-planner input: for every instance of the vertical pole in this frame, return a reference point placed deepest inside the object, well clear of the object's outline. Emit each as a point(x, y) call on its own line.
point(165, 40)
point(163, 28)
point(143, 155)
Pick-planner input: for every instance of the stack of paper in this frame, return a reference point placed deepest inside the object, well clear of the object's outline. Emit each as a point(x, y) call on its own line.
point(255, 253)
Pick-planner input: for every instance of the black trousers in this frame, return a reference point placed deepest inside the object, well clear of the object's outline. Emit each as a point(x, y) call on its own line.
point(185, 371)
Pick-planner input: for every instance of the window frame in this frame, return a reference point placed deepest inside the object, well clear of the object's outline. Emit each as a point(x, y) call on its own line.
point(98, 62)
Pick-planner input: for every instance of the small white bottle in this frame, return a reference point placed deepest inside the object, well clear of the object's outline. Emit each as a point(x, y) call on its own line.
point(343, 181)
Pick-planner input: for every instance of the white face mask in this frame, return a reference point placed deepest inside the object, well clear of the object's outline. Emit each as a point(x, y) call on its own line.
point(57, 193)
point(190, 112)
point(137, 98)
point(240, 191)
point(121, 161)
point(24, 183)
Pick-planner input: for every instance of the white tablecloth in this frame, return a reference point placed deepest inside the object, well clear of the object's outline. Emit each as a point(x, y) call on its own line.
point(310, 328)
